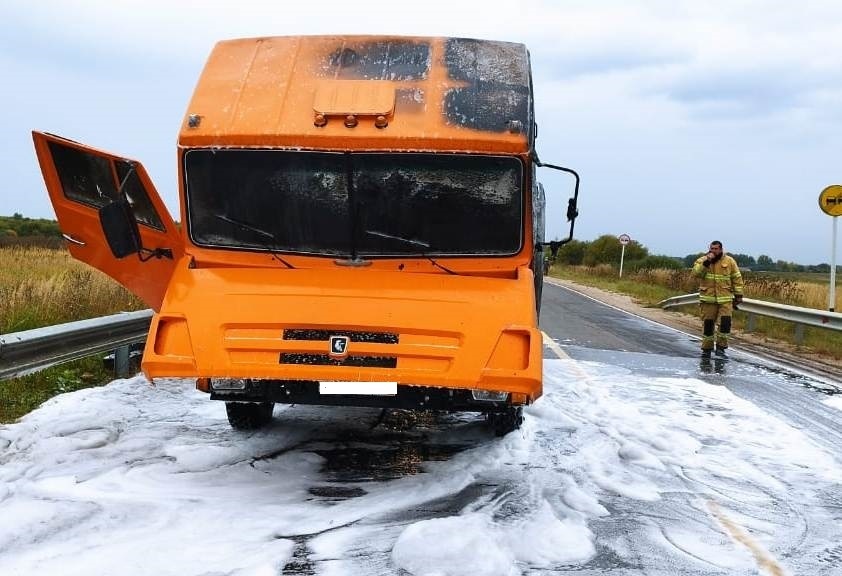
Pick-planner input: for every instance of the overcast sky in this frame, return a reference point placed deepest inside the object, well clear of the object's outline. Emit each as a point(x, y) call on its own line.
point(688, 121)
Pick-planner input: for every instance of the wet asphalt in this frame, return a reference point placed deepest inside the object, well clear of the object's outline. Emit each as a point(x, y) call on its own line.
point(588, 330)
point(596, 335)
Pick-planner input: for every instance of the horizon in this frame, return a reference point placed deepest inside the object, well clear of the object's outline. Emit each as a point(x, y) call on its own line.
point(679, 257)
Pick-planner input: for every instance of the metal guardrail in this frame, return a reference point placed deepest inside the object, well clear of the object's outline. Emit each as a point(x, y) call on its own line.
point(800, 316)
point(32, 350)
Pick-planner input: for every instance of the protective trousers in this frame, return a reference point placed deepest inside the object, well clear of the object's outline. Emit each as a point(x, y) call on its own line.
point(712, 312)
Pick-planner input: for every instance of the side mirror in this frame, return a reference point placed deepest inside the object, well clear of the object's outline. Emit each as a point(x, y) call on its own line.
point(120, 229)
point(572, 210)
point(572, 206)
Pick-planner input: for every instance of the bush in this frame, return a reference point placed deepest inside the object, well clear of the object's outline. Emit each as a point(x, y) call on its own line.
point(572, 253)
point(678, 279)
point(655, 263)
point(30, 226)
point(606, 250)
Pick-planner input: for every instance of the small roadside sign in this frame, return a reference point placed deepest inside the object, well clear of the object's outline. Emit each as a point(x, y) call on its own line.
point(624, 239)
point(830, 200)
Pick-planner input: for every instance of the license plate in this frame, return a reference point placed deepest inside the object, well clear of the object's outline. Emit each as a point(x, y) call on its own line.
point(360, 388)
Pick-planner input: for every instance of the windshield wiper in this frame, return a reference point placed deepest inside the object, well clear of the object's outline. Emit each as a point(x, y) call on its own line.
point(412, 242)
point(256, 230)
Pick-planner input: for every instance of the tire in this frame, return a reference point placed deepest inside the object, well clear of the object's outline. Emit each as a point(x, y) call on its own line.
point(249, 415)
point(507, 421)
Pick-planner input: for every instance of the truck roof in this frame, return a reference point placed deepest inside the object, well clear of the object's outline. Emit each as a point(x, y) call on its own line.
point(363, 93)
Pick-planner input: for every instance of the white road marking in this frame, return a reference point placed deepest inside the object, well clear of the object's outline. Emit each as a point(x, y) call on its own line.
point(553, 345)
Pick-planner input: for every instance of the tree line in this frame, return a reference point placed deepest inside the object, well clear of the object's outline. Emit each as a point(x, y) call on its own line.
point(18, 226)
point(606, 250)
point(764, 263)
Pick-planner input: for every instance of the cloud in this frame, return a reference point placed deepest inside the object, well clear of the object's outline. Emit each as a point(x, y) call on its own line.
point(569, 65)
point(746, 92)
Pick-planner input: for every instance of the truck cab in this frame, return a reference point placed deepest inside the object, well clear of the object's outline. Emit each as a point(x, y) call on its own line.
point(361, 224)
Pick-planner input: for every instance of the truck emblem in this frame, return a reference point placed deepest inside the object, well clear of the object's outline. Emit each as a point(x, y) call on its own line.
point(338, 345)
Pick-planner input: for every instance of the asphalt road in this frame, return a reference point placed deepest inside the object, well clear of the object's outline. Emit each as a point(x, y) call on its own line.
point(592, 331)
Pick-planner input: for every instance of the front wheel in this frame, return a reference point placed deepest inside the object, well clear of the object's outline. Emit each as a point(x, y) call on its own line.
point(249, 415)
point(507, 421)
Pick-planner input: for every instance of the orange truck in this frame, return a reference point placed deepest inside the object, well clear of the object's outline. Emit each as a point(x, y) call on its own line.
point(361, 225)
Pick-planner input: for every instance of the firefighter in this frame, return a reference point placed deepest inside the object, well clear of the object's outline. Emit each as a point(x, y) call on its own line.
point(720, 291)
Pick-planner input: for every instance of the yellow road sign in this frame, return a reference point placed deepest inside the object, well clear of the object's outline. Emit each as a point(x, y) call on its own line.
point(830, 200)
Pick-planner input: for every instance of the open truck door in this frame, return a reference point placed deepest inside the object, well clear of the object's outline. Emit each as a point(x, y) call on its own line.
point(111, 215)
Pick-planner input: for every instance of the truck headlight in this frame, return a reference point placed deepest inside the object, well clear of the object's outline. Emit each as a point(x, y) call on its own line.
point(489, 395)
point(229, 384)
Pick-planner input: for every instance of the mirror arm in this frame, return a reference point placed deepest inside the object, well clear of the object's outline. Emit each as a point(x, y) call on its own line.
point(127, 209)
point(143, 254)
point(572, 204)
point(156, 253)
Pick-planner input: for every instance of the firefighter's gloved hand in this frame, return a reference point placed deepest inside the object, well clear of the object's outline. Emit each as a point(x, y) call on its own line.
point(705, 262)
point(738, 299)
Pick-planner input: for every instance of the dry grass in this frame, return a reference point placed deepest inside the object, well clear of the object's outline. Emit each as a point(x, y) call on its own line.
point(763, 286)
point(42, 286)
point(816, 296)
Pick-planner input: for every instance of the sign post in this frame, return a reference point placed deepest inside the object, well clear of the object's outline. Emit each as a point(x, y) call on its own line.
point(832, 297)
point(830, 201)
point(624, 239)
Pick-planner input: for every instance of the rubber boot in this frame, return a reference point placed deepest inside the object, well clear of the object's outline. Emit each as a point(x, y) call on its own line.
point(722, 337)
point(707, 337)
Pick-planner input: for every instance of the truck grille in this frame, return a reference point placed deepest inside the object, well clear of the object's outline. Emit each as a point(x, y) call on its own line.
point(326, 360)
point(353, 336)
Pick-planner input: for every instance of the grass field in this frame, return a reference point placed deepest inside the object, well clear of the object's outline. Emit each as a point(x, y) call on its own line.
point(810, 277)
point(43, 286)
point(652, 286)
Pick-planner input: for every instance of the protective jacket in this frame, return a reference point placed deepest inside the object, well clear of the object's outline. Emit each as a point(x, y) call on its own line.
point(721, 280)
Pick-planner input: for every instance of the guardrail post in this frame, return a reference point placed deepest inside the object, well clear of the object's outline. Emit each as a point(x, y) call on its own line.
point(751, 324)
point(799, 334)
point(32, 350)
point(121, 362)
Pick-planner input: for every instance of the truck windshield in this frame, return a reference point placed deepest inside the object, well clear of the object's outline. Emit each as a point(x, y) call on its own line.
point(355, 204)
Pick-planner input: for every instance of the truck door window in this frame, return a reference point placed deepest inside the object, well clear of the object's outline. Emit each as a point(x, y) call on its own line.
point(90, 179)
point(84, 177)
point(138, 199)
